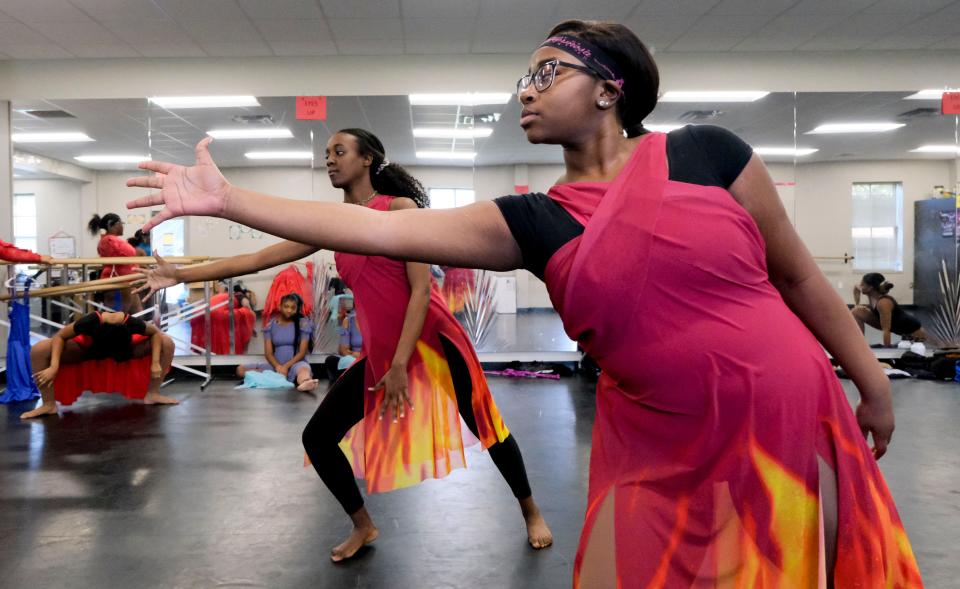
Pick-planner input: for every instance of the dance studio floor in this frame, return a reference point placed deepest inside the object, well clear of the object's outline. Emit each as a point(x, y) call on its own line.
point(213, 494)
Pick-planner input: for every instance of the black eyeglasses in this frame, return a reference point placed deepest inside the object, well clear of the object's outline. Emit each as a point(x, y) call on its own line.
point(546, 73)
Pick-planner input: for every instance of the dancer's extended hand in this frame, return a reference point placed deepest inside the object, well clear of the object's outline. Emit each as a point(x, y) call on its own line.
point(394, 384)
point(875, 416)
point(159, 278)
point(199, 189)
point(45, 377)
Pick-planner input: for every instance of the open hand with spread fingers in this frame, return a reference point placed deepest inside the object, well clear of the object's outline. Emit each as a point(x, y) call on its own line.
point(199, 189)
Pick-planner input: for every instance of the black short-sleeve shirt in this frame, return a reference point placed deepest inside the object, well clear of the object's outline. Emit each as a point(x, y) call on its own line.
point(696, 154)
point(110, 340)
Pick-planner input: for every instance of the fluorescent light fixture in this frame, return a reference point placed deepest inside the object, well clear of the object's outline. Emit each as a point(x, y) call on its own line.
point(446, 155)
point(279, 155)
point(451, 133)
point(713, 96)
point(250, 133)
point(788, 151)
point(855, 128)
point(661, 128)
point(937, 149)
point(112, 159)
point(930, 94)
point(203, 101)
point(463, 99)
point(53, 137)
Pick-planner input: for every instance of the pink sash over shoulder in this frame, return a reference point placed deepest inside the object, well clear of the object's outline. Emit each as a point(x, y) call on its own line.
point(717, 408)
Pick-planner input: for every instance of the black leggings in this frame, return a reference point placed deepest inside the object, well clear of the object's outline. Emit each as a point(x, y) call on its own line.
point(342, 408)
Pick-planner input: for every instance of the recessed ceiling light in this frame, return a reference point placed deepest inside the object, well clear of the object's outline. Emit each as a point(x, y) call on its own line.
point(855, 128)
point(451, 133)
point(250, 133)
point(279, 155)
point(661, 128)
point(789, 151)
point(713, 96)
point(930, 94)
point(937, 149)
point(446, 155)
point(112, 159)
point(203, 101)
point(53, 137)
point(463, 99)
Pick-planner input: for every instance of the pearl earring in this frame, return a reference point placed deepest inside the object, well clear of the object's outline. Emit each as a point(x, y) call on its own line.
point(603, 103)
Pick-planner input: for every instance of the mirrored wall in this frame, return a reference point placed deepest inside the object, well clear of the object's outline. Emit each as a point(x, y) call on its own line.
point(868, 179)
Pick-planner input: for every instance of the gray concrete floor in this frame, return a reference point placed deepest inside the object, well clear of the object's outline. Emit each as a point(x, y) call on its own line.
point(212, 493)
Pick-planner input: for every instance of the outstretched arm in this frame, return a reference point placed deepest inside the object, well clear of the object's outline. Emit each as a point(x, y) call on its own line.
point(809, 295)
point(475, 236)
point(165, 275)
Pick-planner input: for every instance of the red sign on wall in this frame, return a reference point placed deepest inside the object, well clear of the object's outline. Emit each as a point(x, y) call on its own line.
point(950, 103)
point(521, 188)
point(311, 108)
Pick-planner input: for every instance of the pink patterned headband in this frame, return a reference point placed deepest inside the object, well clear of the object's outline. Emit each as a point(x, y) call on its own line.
point(591, 55)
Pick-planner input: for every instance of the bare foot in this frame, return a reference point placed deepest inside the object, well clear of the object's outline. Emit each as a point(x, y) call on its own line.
point(158, 399)
point(308, 385)
point(359, 538)
point(41, 410)
point(538, 533)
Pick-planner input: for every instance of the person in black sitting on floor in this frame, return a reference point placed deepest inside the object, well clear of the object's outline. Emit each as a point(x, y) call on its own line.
point(883, 312)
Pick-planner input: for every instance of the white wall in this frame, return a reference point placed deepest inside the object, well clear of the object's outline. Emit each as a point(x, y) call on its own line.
point(58, 208)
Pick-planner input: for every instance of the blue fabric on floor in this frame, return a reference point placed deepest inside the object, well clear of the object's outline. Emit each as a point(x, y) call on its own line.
point(20, 384)
point(267, 379)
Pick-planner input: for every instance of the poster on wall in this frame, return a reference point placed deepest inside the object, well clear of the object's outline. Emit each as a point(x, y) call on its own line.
point(62, 245)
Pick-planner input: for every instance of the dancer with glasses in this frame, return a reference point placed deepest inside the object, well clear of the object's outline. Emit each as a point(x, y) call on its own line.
point(724, 449)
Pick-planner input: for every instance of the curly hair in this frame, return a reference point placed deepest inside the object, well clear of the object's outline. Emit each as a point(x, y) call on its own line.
point(388, 178)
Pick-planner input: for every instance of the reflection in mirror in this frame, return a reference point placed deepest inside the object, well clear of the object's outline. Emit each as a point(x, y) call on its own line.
point(877, 200)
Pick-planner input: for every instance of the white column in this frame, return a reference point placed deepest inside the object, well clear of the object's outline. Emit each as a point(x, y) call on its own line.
point(6, 174)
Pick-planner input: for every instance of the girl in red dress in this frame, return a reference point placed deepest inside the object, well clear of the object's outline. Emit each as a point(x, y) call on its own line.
point(394, 417)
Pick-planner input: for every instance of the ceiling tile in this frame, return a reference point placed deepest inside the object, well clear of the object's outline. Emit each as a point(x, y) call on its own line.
point(88, 32)
point(217, 31)
point(35, 51)
point(440, 8)
point(202, 10)
point(101, 51)
point(836, 43)
point(153, 32)
point(691, 8)
point(294, 30)
point(691, 42)
point(135, 10)
point(365, 9)
point(493, 35)
point(303, 48)
point(432, 45)
point(748, 7)
point(281, 9)
point(729, 25)
point(595, 9)
point(15, 33)
point(772, 43)
point(904, 42)
point(42, 10)
point(907, 6)
point(829, 6)
point(184, 49)
point(252, 48)
point(800, 24)
point(369, 46)
point(361, 28)
point(508, 9)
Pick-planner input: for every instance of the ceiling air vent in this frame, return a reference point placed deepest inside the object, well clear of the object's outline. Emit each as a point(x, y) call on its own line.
point(700, 115)
point(253, 119)
point(49, 114)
